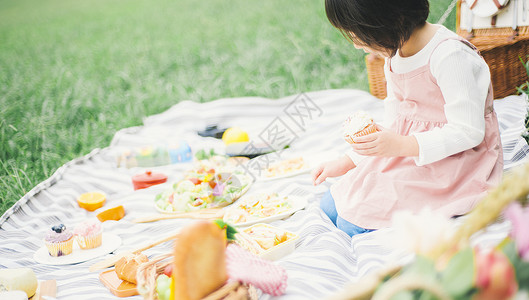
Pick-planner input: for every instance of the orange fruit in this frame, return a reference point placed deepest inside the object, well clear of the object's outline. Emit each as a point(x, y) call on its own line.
point(114, 213)
point(91, 201)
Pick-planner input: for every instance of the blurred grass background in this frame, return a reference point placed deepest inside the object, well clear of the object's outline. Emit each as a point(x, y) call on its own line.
point(72, 73)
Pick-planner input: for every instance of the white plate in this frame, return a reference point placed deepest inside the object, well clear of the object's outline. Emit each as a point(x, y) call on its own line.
point(291, 174)
point(306, 169)
point(297, 203)
point(311, 161)
point(110, 243)
point(486, 8)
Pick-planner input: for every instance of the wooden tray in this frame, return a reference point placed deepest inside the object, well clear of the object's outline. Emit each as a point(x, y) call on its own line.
point(118, 287)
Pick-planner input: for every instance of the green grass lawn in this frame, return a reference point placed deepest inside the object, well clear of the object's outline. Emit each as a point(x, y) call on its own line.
point(72, 73)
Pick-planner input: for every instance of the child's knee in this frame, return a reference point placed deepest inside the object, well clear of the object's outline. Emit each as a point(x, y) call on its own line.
point(350, 228)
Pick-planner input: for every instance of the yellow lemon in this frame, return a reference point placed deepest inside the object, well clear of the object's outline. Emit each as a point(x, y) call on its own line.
point(235, 135)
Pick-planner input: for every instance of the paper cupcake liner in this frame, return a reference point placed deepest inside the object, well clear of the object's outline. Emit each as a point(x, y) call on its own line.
point(60, 248)
point(90, 241)
point(371, 128)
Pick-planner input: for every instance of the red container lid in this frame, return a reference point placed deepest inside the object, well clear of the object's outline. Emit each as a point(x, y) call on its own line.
point(147, 179)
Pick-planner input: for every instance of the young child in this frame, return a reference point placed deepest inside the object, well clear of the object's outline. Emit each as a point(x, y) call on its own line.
point(441, 147)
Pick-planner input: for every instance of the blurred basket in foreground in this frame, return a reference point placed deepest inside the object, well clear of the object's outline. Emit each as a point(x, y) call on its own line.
point(514, 187)
point(501, 48)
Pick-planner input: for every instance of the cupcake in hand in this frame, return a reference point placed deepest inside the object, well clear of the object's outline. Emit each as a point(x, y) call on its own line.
point(89, 234)
point(59, 240)
point(358, 124)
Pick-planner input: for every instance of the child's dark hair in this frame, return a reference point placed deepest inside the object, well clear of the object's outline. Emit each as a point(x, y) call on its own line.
point(379, 24)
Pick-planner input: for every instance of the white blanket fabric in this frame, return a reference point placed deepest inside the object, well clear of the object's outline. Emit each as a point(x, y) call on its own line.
point(325, 258)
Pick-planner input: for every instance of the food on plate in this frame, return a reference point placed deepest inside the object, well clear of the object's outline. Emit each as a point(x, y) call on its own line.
point(20, 279)
point(199, 261)
point(358, 124)
point(147, 179)
point(114, 213)
point(59, 240)
point(285, 167)
point(127, 266)
point(91, 201)
point(257, 206)
point(212, 183)
point(261, 237)
point(89, 234)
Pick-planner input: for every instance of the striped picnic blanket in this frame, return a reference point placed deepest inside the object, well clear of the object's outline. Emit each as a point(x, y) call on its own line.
point(325, 258)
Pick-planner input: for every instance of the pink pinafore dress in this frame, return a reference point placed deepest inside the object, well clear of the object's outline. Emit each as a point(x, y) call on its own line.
point(368, 195)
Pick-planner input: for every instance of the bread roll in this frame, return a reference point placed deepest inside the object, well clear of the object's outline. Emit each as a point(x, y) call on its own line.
point(127, 266)
point(199, 261)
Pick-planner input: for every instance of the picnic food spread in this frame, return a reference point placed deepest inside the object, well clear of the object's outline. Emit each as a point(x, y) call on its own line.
point(285, 167)
point(59, 240)
point(89, 234)
point(358, 124)
point(213, 182)
point(257, 206)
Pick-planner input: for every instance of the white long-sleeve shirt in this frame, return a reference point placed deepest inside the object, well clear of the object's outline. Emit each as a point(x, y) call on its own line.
point(464, 79)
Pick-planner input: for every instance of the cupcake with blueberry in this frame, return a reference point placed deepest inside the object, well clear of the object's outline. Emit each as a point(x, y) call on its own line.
point(59, 240)
point(89, 234)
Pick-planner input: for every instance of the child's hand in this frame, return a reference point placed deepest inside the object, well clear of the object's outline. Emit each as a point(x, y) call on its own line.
point(387, 143)
point(331, 168)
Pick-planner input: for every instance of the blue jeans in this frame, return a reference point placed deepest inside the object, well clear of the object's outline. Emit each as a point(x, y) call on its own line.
point(329, 208)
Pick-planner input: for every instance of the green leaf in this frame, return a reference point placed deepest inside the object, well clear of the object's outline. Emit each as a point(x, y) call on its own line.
point(521, 267)
point(201, 154)
point(230, 230)
point(458, 277)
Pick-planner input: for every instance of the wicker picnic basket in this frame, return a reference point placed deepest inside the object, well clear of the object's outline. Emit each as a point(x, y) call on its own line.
point(149, 271)
point(514, 187)
point(375, 76)
point(501, 48)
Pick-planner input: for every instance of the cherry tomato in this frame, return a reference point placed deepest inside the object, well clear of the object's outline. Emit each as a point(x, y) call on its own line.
point(212, 184)
point(168, 270)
